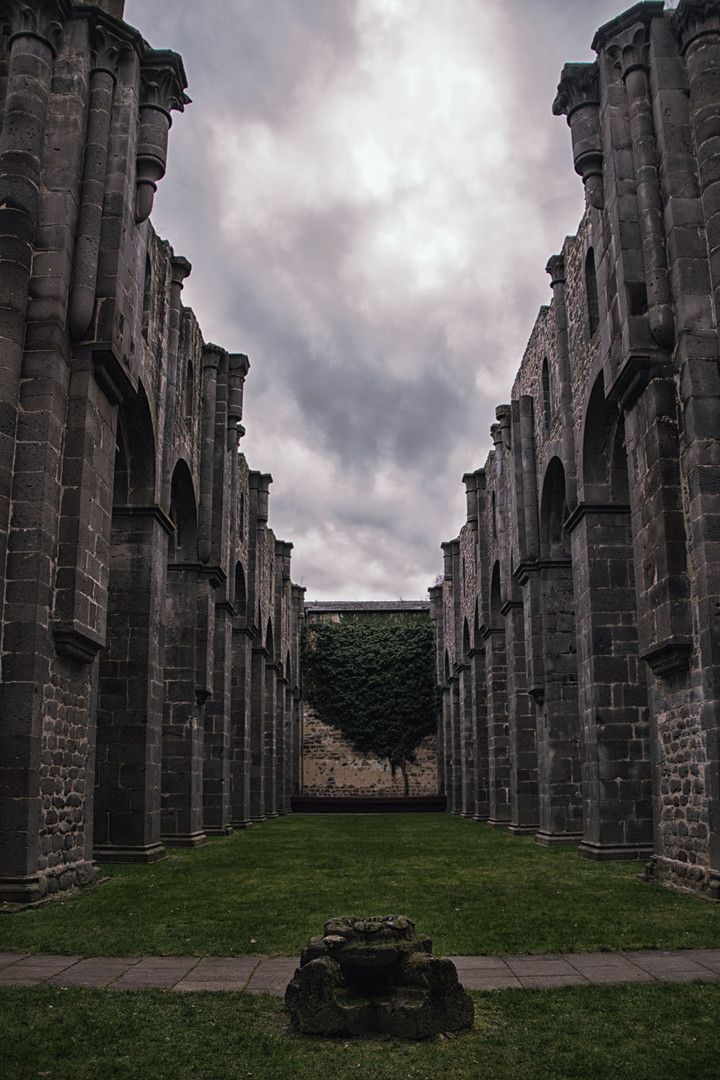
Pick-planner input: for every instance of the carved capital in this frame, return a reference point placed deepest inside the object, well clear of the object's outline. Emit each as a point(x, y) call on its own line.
point(181, 269)
point(579, 85)
point(106, 47)
point(693, 18)
point(239, 364)
point(43, 19)
point(163, 81)
point(630, 50)
point(162, 88)
point(626, 39)
point(578, 97)
point(212, 355)
point(556, 269)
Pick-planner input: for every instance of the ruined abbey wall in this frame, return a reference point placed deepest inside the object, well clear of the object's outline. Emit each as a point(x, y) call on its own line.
point(330, 766)
point(148, 622)
point(579, 615)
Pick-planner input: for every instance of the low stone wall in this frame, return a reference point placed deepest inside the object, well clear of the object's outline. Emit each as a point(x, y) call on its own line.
point(332, 767)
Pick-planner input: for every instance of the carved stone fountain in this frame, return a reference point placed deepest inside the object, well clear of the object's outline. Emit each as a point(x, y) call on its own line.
point(376, 975)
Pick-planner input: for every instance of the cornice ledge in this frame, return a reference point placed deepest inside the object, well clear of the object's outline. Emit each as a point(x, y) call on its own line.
point(670, 657)
point(584, 508)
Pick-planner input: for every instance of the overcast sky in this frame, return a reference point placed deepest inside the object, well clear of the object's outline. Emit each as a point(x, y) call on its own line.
point(369, 191)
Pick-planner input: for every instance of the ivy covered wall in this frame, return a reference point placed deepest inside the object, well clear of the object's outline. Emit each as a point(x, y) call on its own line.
point(369, 708)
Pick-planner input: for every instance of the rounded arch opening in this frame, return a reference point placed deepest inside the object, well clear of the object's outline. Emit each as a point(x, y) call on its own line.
point(554, 541)
point(183, 512)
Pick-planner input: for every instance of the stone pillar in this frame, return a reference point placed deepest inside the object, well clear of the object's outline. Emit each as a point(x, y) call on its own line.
point(271, 740)
point(454, 745)
point(522, 749)
point(467, 740)
point(558, 726)
point(498, 731)
point(183, 720)
point(162, 89)
point(579, 98)
point(617, 785)
point(480, 734)
point(240, 723)
point(257, 733)
point(217, 736)
point(130, 707)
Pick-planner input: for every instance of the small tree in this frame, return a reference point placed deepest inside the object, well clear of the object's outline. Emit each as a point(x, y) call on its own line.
point(374, 680)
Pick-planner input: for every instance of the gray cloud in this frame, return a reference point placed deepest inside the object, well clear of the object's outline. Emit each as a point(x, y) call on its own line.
point(369, 191)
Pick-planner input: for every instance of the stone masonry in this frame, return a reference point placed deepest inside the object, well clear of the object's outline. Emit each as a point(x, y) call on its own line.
point(149, 625)
point(330, 767)
point(579, 615)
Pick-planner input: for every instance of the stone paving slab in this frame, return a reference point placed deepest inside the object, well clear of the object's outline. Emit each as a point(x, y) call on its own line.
point(10, 958)
point(220, 973)
point(34, 970)
point(270, 975)
point(273, 975)
point(156, 973)
point(94, 973)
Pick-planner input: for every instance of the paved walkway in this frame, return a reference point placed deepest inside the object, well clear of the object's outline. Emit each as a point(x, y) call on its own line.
point(270, 975)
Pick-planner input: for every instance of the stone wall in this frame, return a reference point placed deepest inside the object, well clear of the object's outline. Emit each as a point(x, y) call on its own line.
point(577, 621)
point(330, 767)
point(148, 622)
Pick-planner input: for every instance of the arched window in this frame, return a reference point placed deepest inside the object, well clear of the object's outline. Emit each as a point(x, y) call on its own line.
point(189, 390)
point(546, 394)
point(591, 292)
point(147, 297)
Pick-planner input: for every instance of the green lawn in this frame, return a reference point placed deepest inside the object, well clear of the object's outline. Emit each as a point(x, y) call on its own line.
point(267, 890)
point(584, 1033)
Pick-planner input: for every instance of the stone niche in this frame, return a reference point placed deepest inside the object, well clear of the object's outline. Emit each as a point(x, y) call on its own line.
point(376, 975)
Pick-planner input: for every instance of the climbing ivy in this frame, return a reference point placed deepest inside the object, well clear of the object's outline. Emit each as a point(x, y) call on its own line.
point(373, 679)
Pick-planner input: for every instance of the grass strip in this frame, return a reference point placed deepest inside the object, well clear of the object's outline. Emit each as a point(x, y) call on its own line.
point(633, 1032)
point(266, 891)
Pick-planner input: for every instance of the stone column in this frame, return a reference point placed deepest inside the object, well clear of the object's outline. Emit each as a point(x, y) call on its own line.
point(558, 726)
point(498, 731)
point(183, 720)
point(617, 785)
point(579, 98)
point(130, 706)
point(240, 723)
point(257, 733)
point(522, 749)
